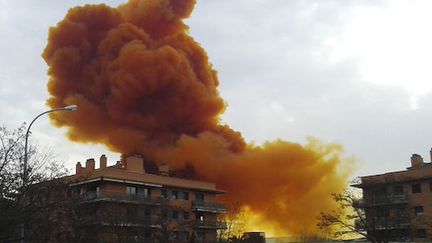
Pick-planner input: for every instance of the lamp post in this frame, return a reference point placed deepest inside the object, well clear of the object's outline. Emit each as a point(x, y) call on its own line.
point(25, 172)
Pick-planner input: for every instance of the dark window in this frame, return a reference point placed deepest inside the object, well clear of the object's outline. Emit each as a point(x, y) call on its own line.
point(199, 197)
point(398, 190)
point(421, 233)
point(382, 212)
point(200, 237)
point(430, 186)
point(147, 213)
point(174, 195)
point(185, 216)
point(175, 215)
point(143, 213)
point(185, 195)
point(131, 212)
point(416, 188)
point(401, 212)
point(164, 193)
point(183, 236)
point(173, 236)
point(418, 210)
point(144, 191)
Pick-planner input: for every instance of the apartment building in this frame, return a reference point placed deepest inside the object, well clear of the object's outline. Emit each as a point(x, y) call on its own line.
point(398, 205)
point(128, 202)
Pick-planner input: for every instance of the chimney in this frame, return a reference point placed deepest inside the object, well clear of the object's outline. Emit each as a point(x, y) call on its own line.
point(103, 162)
point(90, 165)
point(164, 169)
point(430, 152)
point(416, 160)
point(78, 168)
point(135, 164)
point(119, 164)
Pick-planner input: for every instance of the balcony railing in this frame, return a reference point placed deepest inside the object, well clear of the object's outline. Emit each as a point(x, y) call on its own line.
point(383, 200)
point(207, 224)
point(120, 221)
point(385, 224)
point(120, 197)
point(213, 207)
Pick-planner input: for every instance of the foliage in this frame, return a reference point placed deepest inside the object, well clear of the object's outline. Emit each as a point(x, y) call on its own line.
point(236, 239)
point(234, 220)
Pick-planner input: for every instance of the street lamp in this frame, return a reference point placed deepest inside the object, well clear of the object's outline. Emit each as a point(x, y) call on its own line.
point(66, 108)
point(25, 173)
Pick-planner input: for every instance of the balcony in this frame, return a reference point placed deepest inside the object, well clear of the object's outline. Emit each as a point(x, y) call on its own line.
point(212, 207)
point(207, 224)
point(384, 224)
point(120, 197)
point(120, 221)
point(383, 200)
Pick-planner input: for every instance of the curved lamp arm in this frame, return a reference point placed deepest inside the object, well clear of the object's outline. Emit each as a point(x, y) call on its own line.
point(66, 108)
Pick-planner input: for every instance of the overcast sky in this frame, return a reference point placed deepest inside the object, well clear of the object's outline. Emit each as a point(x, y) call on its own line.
point(353, 72)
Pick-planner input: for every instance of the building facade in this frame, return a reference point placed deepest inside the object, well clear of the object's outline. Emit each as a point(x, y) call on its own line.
point(127, 203)
point(398, 205)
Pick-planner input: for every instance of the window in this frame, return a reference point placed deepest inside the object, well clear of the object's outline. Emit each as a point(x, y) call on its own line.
point(164, 193)
point(416, 188)
point(174, 214)
point(418, 211)
point(144, 191)
point(173, 236)
point(147, 213)
point(200, 237)
point(93, 191)
point(430, 186)
point(383, 213)
point(147, 233)
point(131, 190)
point(199, 197)
point(131, 212)
point(421, 233)
point(174, 195)
point(184, 195)
point(143, 213)
point(401, 212)
point(183, 215)
point(398, 190)
point(183, 236)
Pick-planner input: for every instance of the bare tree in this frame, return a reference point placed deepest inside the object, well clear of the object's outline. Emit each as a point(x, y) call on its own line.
point(34, 210)
point(346, 219)
point(172, 225)
point(380, 223)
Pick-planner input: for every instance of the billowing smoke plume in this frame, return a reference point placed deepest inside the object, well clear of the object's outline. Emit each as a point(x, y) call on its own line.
point(145, 86)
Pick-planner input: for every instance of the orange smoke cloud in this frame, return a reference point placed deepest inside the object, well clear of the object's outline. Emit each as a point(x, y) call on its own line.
point(145, 86)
